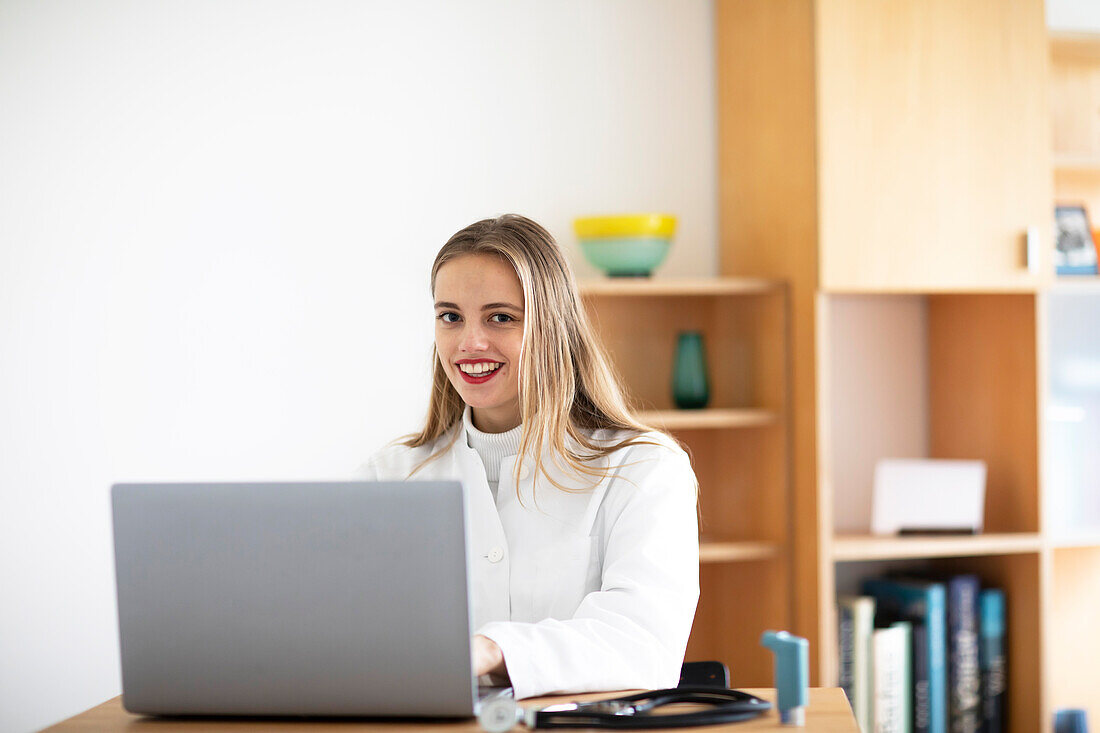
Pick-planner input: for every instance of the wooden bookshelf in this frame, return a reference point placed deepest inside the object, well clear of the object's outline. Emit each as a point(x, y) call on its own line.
point(917, 331)
point(1070, 587)
point(738, 444)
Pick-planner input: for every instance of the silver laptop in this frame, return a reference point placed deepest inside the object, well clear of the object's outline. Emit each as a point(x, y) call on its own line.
point(294, 599)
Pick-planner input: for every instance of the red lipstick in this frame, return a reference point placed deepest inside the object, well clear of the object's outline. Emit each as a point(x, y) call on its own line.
point(479, 378)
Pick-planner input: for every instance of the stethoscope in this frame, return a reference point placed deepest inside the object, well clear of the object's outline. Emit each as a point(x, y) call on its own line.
point(500, 713)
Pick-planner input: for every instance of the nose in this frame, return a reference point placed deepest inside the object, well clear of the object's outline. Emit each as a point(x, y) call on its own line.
point(474, 338)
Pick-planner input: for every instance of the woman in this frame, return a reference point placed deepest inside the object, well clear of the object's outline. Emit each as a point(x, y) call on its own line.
point(583, 521)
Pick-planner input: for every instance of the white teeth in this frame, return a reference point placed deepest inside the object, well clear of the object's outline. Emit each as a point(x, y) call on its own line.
point(479, 368)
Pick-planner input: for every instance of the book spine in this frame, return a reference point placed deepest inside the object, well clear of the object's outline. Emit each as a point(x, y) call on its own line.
point(906, 675)
point(922, 703)
point(964, 675)
point(847, 650)
point(936, 627)
point(992, 659)
point(863, 616)
point(889, 662)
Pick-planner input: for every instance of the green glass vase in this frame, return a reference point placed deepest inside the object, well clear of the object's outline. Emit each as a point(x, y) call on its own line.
point(690, 388)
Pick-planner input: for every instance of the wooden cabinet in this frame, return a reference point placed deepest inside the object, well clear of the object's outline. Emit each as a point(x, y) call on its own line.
point(906, 133)
point(886, 159)
point(738, 444)
point(929, 171)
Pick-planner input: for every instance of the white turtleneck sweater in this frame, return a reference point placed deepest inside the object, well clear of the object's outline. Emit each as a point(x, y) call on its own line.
point(492, 447)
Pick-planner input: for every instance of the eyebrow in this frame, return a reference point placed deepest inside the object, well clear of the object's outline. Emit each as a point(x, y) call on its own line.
point(486, 307)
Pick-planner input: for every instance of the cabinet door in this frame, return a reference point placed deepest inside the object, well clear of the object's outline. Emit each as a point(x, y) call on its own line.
point(933, 145)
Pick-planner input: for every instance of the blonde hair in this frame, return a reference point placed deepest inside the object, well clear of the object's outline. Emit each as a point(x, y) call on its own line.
point(567, 383)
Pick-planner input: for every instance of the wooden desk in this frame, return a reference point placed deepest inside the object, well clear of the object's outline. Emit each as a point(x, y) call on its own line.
point(828, 712)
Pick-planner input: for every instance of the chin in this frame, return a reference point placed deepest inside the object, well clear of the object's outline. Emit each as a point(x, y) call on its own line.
point(478, 404)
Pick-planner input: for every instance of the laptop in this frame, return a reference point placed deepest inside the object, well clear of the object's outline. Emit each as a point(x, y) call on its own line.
point(321, 598)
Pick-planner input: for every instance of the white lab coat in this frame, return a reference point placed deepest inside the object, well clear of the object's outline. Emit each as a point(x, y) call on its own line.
point(584, 591)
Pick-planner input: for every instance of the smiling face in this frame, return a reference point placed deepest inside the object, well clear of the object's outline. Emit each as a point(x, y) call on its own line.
point(479, 334)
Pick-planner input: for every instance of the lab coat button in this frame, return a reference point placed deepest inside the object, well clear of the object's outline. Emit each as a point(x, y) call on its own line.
point(524, 472)
point(495, 555)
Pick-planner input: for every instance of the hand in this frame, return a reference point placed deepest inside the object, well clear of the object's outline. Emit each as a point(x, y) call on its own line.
point(488, 658)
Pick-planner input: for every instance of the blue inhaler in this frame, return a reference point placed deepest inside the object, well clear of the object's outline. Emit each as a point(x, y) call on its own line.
point(792, 675)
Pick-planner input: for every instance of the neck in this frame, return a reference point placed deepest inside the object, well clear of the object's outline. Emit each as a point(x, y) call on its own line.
point(495, 421)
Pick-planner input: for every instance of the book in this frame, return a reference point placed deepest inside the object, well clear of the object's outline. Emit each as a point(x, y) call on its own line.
point(922, 707)
point(855, 655)
point(890, 660)
point(1075, 253)
point(846, 644)
point(924, 605)
point(991, 658)
point(906, 676)
point(963, 674)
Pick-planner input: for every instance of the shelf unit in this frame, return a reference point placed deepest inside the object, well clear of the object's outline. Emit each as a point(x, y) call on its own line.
point(854, 158)
point(739, 444)
point(1071, 554)
point(941, 375)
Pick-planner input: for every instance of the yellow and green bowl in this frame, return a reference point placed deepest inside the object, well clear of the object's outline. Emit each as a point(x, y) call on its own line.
point(627, 245)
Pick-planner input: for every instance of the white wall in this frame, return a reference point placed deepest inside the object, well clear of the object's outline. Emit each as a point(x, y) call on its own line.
point(216, 221)
point(1074, 15)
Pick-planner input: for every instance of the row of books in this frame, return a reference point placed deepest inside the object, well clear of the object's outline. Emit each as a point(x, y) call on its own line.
point(924, 656)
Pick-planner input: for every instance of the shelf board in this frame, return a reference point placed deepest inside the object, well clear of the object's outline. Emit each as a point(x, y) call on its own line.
point(1075, 284)
point(677, 286)
point(870, 547)
point(736, 551)
point(1074, 538)
point(1075, 44)
point(713, 418)
point(1076, 162)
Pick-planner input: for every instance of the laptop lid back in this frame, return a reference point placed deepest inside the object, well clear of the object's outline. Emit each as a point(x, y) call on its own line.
point(319, 598)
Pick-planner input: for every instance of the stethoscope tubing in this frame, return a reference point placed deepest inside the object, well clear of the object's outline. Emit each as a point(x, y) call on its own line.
point(633, 711)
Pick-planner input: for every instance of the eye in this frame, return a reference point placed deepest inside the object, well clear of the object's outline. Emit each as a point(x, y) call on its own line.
point(448, 317)
point(501, 318)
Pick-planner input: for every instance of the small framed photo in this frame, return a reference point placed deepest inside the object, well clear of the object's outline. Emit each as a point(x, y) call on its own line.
point(1075, 251)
